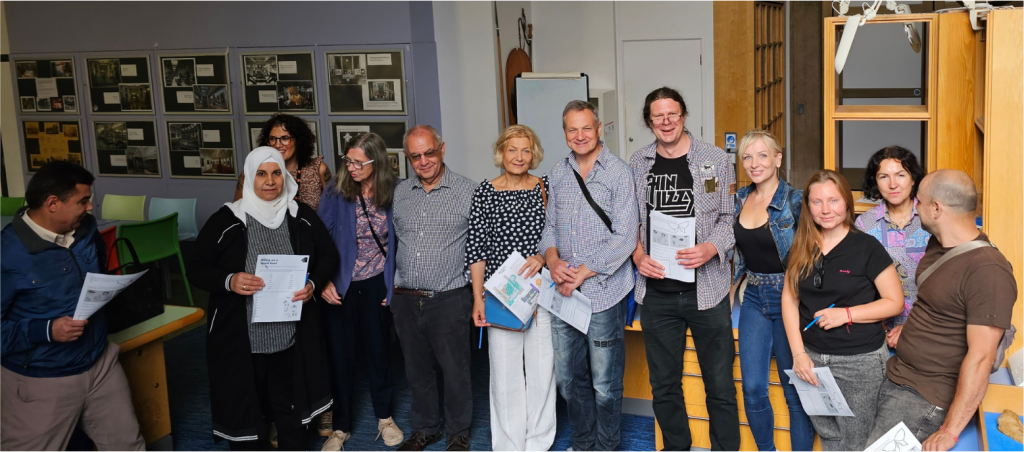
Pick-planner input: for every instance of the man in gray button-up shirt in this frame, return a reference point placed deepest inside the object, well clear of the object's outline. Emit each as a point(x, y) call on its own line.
point(432, 303)
point(586, 254)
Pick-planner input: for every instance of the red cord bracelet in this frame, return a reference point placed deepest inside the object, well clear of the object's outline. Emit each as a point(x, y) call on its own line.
point(955, 439)
point(850, 316)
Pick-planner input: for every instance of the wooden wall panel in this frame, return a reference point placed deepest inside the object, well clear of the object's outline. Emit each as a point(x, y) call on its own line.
point(805, 58)
point(955, 115)
point(734, 73)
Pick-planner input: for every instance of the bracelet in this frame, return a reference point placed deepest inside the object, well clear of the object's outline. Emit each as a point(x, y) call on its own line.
point(798, 354)
point(850, 316)
point(955, 439)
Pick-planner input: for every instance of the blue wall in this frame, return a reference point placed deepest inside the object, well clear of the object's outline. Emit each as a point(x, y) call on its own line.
point(90, 29)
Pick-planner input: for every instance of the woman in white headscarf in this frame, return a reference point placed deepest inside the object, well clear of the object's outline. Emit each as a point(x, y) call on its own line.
point(262, 372)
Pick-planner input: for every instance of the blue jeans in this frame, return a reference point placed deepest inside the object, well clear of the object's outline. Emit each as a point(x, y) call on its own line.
point(762, 334)
point(599, 355)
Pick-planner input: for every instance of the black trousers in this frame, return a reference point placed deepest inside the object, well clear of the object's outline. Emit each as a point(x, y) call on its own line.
point(360, 327)
point(665, 318)
point(436, 330)
point(274, 383)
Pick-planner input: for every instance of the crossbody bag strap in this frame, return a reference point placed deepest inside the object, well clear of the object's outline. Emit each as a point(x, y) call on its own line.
point(543, 194)
point(369, 224)
point(597, 209)
point(956, 251)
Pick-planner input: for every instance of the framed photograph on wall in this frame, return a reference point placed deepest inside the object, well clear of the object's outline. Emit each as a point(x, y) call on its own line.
point(343, 133)
point(255, 127)
point(202, 149)
point(47, 141)
point(126, 148)
point(49, 82)
point(119, 85)
point(368, 82)
point(195, 83)
point(279, 82)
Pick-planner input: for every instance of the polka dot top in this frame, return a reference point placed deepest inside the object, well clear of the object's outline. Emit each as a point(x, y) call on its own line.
point(504, 221)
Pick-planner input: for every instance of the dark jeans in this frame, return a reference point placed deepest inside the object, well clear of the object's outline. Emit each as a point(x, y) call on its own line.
point(274, 372)
point(762, 335)
point(588, 371)
point(360, 326)
point(899, 403)
point(436, 330)
point(664, 319)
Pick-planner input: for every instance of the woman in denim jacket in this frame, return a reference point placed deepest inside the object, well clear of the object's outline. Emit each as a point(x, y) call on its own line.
point(764, 230)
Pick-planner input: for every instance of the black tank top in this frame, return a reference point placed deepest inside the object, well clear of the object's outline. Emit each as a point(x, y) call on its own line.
point(758, 248)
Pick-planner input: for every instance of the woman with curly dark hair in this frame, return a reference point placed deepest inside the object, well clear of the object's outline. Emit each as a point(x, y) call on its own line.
point(892, 176)
point(292, 137)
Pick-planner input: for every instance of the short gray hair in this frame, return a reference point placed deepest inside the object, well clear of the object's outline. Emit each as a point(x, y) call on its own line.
point(953, 189)
point(420, 128)
point(579, 105)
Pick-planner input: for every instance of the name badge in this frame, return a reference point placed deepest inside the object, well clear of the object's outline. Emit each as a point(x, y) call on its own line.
point(711, 185)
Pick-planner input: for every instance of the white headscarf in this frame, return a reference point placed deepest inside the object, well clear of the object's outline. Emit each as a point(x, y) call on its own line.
point(269, 213)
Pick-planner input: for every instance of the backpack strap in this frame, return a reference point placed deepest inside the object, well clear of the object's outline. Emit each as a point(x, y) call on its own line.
point(597, 209)
point(956, 251)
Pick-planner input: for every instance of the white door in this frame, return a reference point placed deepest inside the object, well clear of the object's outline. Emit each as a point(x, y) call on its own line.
point(648, 65)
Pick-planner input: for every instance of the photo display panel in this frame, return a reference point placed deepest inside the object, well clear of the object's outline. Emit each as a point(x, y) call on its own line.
point(47, 86)
point(202, 149)
point(126, 148)
point(366, 82)
point(255, 127)
point(195, 84)
point(47, 141)
point(279, 82)
point(344, 132)
point(120, 85)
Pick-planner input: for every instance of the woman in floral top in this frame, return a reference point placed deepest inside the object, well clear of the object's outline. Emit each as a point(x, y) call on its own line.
point(296, 141)
point(893, 175)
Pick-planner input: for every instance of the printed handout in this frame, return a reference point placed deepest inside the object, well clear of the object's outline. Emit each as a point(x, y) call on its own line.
point(668, 235)
point(899, 439)
point(517, 293)
point(575, 310)
point(99, 289)
point(824, 400)
point(282, 275)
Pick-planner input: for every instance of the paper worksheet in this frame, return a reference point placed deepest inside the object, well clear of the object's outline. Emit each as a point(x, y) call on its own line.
point(899, 439)
point(575, 310)
point(824, 400)
point(282, 275)
point(99, 289)
point(515, 292)
point(668, 235)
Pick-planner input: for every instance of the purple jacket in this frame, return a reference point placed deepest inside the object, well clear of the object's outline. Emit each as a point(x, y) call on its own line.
point(339, 215)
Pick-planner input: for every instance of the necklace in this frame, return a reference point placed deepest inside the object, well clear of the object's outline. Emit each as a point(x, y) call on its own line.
point(756, 202)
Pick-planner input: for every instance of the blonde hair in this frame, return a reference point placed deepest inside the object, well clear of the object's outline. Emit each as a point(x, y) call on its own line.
point(518, 131)
point(765, 136)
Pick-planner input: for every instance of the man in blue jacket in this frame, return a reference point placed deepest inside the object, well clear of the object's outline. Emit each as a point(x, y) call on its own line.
point(57, 371)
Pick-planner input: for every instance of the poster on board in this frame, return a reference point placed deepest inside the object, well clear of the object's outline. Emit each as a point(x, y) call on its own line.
point(368, 82)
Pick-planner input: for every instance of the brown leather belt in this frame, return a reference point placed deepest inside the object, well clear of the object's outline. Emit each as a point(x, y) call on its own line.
point(424, 293)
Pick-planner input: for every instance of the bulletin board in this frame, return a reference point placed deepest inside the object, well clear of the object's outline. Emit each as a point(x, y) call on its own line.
point(120, 85)
point(126, 148)
point(47, 86)
point(195, 84)
point(368, 82)
point(202, 149)
point(279, 82)
point(47, 141)
point(343, 132)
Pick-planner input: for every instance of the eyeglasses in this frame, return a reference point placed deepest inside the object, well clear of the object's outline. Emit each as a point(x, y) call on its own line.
point(819, 273)
point(671, 117)
point(430, 153)
point(358, 165)
point(284, 140)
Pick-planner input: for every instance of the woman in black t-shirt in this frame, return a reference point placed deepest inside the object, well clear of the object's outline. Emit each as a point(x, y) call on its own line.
point(844, 282)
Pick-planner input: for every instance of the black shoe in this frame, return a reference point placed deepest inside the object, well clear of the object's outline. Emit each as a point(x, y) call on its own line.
point(419, 441)
point(458, 442)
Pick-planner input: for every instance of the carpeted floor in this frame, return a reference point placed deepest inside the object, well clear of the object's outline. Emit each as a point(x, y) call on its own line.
point(190, 407)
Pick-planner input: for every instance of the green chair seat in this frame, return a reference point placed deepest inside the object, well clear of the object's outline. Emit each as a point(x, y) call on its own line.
point(119, 207)
point(10, 206)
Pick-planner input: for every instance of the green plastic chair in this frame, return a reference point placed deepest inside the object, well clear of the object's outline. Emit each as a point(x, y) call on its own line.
point(119, 207)
point(154, 240)
point(10, 206)
point(186, 209)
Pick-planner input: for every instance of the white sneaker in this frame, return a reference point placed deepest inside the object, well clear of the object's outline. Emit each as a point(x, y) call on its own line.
point(326, 423)
point(393, 435)
point(336, 441)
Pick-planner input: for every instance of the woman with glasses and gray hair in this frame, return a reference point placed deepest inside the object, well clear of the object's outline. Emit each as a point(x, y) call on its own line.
point(840, 286)
point(295, 140)
point(357, 209)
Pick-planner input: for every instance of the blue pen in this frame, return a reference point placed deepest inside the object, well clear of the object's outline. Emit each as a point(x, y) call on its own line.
point(818, 317)
point(553, 283)
point(480, 344)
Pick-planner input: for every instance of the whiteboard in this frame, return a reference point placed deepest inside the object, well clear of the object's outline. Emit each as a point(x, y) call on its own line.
point(539, 105)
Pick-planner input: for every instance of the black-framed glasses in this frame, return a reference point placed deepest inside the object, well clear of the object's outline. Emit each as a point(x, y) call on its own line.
point(430, 153)
point(284, 140)
point(819, 273)
point(358, 165)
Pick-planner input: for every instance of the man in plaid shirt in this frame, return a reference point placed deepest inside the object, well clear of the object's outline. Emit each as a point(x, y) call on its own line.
point(583, 253)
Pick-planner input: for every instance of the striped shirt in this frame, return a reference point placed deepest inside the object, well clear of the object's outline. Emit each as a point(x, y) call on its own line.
point(267, 337)
point(582, 238)
point(710, 168)
point(431, 229)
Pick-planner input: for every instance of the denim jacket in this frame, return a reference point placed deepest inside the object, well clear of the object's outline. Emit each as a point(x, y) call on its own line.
point(783, 218)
